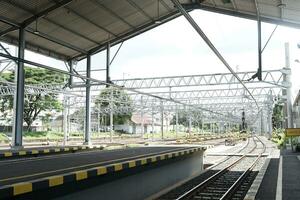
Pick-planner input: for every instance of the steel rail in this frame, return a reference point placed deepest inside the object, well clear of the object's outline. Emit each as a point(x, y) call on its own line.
point(231, 191)
point(203, 184)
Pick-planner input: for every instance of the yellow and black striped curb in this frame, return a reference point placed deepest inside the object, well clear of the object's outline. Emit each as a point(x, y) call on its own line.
point(8, 154)
point(9, 191)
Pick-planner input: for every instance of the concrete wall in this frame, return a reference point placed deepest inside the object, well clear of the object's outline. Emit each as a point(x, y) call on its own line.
point(143, 184)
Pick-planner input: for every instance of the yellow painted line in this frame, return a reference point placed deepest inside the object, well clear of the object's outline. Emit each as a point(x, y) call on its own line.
point(66, 149)
point(56, 150)
point(132, 164)
point(153, 159)
point(22, 153)
point(80, 175)
point(83, 147)
point(101, 170)
point(55, 180)
point(118, 167)
point(22, 188)
point(7, 154)
point(34, 152)
point(75, 148)
point(143, 161)
point(46, 150)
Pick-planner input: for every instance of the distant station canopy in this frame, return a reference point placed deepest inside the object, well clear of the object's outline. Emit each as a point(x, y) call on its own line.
point(71, 29)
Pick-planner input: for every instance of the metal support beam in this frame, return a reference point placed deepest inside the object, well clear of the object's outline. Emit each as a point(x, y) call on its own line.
point(70, 63)
point(162, 119)
point(152, 123)
point(111, 116)
point(142, 117)
point(65, 120)
point(287, 80)
point(108, 63)
point(87, 138)
point(176, 126)
point(259, 70)
point(19, 94)
point(190, 124)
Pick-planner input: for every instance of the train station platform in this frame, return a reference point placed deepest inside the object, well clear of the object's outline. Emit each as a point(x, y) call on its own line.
point(55, 176)
point(279, 178)
point(39, 151)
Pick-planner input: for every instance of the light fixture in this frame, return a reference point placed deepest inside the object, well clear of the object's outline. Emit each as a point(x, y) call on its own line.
point(36, 28)
point(281, 5)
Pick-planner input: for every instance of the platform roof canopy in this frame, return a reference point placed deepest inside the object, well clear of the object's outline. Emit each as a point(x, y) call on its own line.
point(71, 29)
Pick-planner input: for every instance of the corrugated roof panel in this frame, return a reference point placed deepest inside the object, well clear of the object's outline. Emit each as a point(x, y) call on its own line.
point(84, 24)
point(10, 12)
point(4, 26)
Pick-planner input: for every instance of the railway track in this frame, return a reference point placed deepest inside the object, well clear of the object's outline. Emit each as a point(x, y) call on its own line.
point(229, 179)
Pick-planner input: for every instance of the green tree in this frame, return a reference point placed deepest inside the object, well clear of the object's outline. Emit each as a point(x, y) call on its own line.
point(34, 104)
point(120, 100)
point(277, 117)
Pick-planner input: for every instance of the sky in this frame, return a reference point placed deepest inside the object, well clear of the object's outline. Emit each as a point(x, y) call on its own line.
point(175, 48)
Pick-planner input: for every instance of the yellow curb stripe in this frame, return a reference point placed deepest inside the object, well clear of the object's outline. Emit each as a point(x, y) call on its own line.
point(80, 175)
point(101, 170)
point(55, 180)
point(162, 157)
point(143, 161)
point(22, 153)
point(153, 159)
point(118, 167)
point(46, 150)
point(34, 152)
point(22, 188)
point(132, 164)
point(7, 154)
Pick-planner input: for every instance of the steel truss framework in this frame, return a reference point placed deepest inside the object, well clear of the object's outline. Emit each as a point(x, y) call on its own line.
point(220, 100)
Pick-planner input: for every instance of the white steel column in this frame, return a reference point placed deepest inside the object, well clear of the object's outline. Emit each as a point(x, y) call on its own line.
point(87, 138)
point(142, 117)
point(111, 115)
point(65, 120)
point(19, 94)
point(162, 119)
point(287, 91)
point(176, 125)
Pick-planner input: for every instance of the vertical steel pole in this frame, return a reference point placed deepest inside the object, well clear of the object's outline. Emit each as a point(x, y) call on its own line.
point(190, 125)
point(70, 63)
point(162, 119)
point(261, 122)
point(152, 123)
point(259, 49)
point(68, 119)
point(111, 115)
point(288, 84)
point(98, 120)
point(19, 93)
point(87, 138)
point(65, 120)
point(142, 117)
point(108, 62)
point(176, 127)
